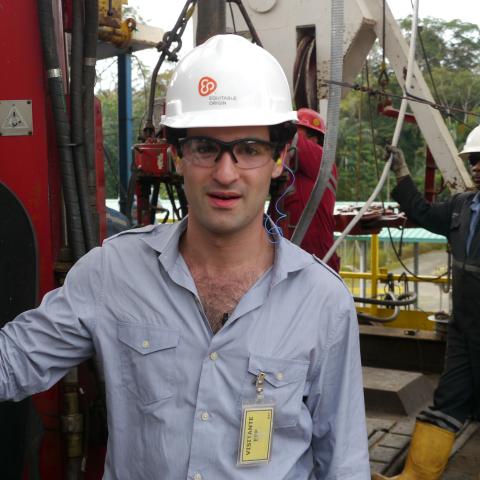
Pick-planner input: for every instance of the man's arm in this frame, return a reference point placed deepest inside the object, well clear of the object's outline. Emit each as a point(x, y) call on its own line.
point(39, 347)
point(432, 216)
point(336, 403)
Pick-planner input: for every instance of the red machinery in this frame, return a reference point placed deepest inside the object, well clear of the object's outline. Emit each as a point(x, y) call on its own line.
point(43, 435)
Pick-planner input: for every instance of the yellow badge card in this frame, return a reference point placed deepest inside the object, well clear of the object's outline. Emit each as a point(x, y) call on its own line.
point(256, 434)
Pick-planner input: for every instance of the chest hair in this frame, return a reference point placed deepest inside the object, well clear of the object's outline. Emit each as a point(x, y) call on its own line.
point(220, 294)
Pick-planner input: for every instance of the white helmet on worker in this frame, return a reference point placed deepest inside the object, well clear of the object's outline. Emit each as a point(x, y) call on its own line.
point(226, 82)
point(472, 145)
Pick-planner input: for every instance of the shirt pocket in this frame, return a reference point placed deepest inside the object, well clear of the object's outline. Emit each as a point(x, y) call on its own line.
point(284, 384)
point(148, 360)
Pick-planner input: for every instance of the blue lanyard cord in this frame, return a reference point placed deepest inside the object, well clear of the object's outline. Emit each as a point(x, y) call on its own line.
point(274, 229)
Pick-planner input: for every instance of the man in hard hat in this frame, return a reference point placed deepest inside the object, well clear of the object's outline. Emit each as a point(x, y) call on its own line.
point(457, 396)
point(305, 163)
point(222, 346)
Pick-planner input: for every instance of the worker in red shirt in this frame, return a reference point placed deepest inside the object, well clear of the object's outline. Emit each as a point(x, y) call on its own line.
point(305, 164)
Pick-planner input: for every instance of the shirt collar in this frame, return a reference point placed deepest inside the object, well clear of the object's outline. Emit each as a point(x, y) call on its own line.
point(288, 257)
point(166, 241)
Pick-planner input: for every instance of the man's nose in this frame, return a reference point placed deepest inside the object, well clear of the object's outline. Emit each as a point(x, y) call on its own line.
point(225, 170)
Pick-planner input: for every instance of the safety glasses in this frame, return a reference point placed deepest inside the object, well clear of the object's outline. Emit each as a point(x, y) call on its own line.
point(247, 153)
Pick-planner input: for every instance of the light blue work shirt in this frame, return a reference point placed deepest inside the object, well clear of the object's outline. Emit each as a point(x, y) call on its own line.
point(475, 208)
point(174, 389)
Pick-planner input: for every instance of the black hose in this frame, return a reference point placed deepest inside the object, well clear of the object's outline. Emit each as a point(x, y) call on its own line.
point(59, 107)
point(76, 108)
point(374, 318)
point(403, 300)
point(89, 75)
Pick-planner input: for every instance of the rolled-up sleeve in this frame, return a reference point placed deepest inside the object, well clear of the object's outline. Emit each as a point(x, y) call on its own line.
point(336, 403)
point(39, 346)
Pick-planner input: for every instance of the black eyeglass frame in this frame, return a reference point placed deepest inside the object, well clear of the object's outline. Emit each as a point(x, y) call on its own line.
point(228, 147)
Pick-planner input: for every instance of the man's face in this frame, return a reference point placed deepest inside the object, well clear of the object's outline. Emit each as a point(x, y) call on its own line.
point(310, 134)
point(474, 161)
point(225, 199)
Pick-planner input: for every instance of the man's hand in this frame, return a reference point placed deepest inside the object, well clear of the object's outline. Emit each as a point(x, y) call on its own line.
point(399, 165)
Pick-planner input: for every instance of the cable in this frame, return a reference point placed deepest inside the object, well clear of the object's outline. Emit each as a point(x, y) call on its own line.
point(403, 300)
point(418, 277)
point(396, 136)
point(274, 229)
point(374, 318)
point(408, 96)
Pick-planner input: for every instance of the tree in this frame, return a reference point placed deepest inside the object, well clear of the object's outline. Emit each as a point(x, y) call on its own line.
point(449, 57)
point(109, 100)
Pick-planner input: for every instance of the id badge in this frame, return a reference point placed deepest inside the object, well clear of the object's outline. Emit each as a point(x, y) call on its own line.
point(256, 431)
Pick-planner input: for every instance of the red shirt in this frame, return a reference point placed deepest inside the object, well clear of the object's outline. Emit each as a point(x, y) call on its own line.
point(319, 237)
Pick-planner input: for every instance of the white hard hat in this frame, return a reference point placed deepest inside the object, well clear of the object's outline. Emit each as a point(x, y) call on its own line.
point(472, 145)
point(227, 81)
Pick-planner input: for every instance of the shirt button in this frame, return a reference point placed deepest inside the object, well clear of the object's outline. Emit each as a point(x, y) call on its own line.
point(145, 344)
point(279, 376)
point(213, 356)
point(204, 416)
point(197, 476)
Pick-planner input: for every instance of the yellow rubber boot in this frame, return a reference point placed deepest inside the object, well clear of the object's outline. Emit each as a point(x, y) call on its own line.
point(428, 455)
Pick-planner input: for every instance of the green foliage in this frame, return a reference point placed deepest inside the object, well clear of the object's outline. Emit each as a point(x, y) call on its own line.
point(109, 98)
point(451, 67)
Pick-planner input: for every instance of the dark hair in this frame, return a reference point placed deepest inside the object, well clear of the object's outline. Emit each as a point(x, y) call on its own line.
point(174, 135)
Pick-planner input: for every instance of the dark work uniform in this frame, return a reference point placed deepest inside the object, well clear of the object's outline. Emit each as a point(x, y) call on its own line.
point(458, 393)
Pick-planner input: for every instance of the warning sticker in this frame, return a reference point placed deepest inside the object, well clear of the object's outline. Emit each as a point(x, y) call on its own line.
point(15, 117)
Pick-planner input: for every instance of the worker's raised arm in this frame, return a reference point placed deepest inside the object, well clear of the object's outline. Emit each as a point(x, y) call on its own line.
point(435, 217)
point(40, 346)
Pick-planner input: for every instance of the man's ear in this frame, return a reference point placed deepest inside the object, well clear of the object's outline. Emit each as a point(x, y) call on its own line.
point(177, 160)
point(278, 168)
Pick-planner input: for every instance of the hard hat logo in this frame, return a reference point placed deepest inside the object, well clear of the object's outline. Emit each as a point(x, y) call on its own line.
point(206, 86)
point(316, 122)
point(213, 86)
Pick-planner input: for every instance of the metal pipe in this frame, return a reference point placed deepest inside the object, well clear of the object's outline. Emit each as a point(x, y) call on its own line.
point(89, 74)
point(210, 19)
point(125, 125)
